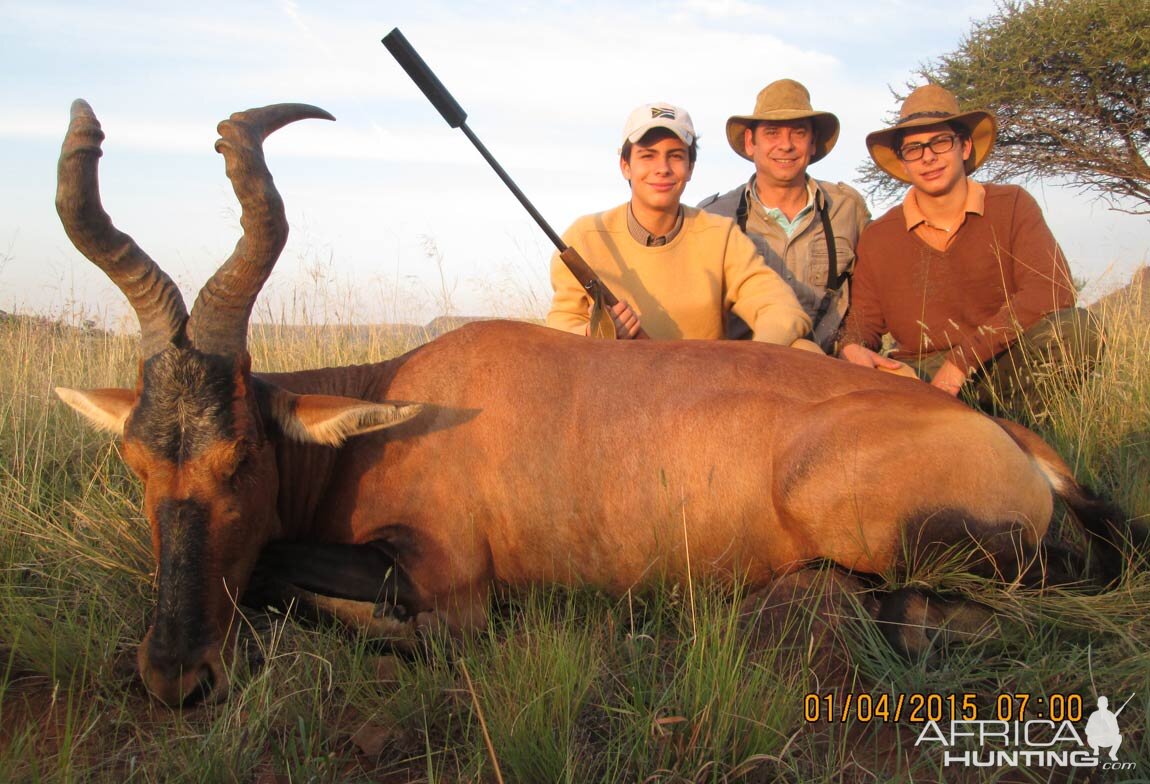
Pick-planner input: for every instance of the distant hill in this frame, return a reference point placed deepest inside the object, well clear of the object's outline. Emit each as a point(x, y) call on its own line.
point(87, 327)
point(346, 333)
point(404, 333)
point(353, 333)
point(437, 326)
point(1135, 295)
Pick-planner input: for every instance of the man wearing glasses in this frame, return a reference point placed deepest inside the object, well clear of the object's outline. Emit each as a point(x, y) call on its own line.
point(967, 278)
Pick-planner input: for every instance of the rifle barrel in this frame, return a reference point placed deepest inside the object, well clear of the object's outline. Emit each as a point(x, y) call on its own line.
point(424, 78)
point(503, 175)
point(453, 113)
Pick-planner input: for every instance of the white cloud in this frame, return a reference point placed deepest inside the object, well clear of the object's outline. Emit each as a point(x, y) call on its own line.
point(546, 87)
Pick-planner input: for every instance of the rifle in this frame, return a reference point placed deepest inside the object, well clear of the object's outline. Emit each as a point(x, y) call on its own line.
point(453, 113)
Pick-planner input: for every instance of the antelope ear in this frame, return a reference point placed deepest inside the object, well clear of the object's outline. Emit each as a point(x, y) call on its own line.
point(331, 420)
point(107, 409)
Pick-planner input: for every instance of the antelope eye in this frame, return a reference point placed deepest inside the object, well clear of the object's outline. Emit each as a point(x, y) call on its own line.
point(247, 456)
point(138, 467)
point(236, 461)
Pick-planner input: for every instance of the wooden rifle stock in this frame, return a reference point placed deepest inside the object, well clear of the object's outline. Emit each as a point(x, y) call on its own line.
point(424, 78)
point(586, 276)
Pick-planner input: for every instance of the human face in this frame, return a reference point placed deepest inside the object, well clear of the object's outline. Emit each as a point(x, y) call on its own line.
point(658, 172)
point(935, 174)
point(781, 151)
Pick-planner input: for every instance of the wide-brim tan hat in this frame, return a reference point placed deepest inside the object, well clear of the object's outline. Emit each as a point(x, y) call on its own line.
point(932, 104)
point(785, 99)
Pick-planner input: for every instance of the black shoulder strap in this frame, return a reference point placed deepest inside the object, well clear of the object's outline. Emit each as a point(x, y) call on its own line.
point(834, 279)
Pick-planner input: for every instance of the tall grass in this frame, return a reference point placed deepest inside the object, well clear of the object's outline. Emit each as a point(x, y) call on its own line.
point(679, 684)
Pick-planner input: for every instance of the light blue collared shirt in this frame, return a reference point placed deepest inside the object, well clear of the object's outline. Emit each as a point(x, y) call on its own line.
point(788, 226)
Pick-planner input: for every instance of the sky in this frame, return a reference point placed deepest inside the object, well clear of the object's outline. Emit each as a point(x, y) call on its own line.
point(394, 216)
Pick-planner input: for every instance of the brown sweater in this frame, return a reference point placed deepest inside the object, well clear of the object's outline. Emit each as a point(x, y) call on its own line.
point(1002, 273)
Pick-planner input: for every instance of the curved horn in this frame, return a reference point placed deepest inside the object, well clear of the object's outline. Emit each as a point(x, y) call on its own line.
point(219, 321)
point(151, 293)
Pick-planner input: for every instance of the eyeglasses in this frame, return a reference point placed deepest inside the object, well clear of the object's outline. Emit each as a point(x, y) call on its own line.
point(938, 145)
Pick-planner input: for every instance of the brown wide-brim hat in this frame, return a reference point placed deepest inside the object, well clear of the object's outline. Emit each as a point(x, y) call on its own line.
point(932, 104)
point(785, 99)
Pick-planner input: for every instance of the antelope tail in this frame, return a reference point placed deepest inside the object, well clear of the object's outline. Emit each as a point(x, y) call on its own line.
point(1106, 525)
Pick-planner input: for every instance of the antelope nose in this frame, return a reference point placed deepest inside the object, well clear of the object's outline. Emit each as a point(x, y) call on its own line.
point(198, 688)
point(202, 679)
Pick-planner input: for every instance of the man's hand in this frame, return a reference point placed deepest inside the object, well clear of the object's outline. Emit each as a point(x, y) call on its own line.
point(626, 320)
point(949, 378)
point(861, 355)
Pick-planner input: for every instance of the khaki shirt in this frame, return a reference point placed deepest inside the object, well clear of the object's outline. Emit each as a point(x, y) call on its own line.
point(801, 259)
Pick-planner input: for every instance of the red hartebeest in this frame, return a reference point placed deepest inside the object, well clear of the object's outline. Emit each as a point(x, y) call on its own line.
point(512, 454)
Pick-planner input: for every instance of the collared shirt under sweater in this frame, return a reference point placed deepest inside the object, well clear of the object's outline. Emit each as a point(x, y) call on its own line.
point(1001, 273)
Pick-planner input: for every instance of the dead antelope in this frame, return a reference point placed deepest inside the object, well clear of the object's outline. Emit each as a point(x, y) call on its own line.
point(491, 456)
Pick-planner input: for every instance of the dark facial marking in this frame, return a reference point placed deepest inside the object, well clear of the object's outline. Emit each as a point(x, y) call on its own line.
point(181, 625)
point(185, 404)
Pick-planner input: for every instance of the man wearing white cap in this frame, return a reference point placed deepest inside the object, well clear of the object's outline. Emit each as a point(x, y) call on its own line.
point(676, 270)
point(966, 277)
point(806, 229)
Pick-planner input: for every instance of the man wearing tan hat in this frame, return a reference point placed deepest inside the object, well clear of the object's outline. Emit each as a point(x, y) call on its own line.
point(966, 277)
point(806, 229)
point(676, 270)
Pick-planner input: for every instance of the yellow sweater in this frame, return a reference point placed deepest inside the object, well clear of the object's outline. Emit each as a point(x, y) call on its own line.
point(683, 288)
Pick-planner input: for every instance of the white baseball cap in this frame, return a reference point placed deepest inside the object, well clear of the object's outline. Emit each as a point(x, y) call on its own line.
point(659, 115)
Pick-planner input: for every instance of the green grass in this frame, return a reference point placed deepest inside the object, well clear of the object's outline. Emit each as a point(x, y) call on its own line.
point(686, 683)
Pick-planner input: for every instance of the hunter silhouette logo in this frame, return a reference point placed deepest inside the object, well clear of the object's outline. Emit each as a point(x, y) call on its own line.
point(1035, 742)
point(1102, 728)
